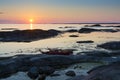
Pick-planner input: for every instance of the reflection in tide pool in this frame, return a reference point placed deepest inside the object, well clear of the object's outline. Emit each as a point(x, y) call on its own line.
point(61, 41)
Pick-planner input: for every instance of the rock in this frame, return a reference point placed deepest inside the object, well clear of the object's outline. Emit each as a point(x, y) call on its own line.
point(42, 77)
point(80, 77)
point(88, 41)
point(33, 73)
point(117, 26)
point(72, 30)
point(73, 36)
point(107, 72)
point(114, 45)
point(96, 25)
point(58, 52)
point(53, 75)
point(46, 70)
point(27, 35)
point(70, 73)
point(87, 30)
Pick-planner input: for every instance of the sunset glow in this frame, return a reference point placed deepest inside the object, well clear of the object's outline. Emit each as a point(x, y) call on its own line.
point(31, 20)
point(59, 11)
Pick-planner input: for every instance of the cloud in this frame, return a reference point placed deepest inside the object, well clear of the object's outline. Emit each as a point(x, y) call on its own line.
point(1, 13)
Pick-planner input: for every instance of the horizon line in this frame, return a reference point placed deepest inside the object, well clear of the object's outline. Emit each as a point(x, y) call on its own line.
point(70, 23)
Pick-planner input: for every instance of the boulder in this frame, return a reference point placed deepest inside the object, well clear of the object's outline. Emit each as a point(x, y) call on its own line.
point(46, 70)
point(70, 73)
point(87, 30)
point(33, 73)
point(107, 72)
point(114, 45)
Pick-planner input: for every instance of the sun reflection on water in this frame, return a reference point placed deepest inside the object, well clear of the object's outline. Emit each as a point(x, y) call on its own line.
point(31, 24)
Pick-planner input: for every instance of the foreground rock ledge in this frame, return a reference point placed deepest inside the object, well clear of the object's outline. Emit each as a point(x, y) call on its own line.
point(12, 65)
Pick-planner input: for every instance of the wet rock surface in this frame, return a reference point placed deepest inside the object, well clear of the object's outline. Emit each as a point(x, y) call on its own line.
point(106, 72)
point(46, 64)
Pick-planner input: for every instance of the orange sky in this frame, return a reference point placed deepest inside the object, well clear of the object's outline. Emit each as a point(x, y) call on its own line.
point(59, 11)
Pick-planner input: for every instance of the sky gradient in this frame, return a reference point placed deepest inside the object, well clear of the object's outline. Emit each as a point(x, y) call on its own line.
point(59, 11)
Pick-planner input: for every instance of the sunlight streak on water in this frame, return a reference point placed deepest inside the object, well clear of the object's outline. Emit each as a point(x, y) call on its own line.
point(31, 26)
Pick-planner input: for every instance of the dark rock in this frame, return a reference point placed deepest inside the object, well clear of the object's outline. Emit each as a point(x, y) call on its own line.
point(27, 35)
point(80, 77)
point(96, 25)
point(7, 68)
point(69, 27)
point(98, 53)
point(117, 26)
point(87, 30)
point(89, 41)
point(73, 36)
point(115, 45)
point(42, 77)
point(107, 72)
point(59, 61)
point(58, 52)
point(70, 73)
point(72, 30)
point(46, 70)
point(33, 73)
point(48, 63)
point(53, 75)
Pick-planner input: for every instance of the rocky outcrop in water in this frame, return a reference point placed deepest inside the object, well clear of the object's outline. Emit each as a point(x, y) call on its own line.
point(88, 41)
point(89, 30)
point(27, 35)
point(115, 45)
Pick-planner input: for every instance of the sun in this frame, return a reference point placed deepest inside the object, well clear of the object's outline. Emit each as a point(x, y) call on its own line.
point(31, 20)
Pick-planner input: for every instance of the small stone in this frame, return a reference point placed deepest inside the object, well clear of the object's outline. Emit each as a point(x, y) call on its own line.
point(42, 77)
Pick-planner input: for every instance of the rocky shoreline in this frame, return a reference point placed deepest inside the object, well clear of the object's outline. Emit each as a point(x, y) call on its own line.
point(39, 66)
point(46, 63)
